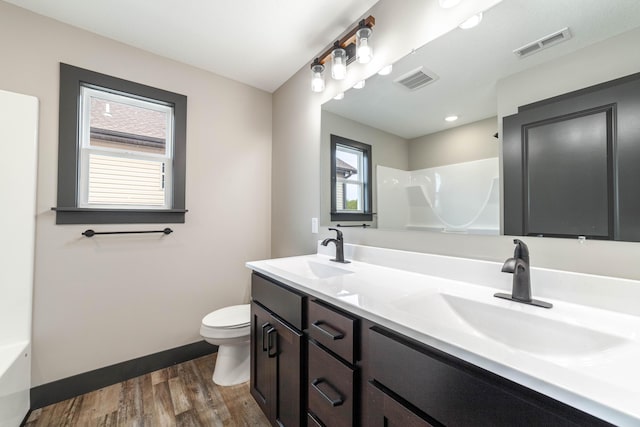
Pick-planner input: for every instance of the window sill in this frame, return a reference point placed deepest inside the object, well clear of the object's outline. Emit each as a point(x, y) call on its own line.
point(72, 215)
point(351, 216)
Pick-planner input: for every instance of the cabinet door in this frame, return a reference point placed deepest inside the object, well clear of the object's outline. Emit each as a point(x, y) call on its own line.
point(263, 367)
point(287, 351)
point(387, 412)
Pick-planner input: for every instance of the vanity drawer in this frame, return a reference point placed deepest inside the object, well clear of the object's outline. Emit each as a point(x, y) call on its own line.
point(331, 399)
point(388, 412)
point(454, 392)
point(332, 329)
point(287, 303)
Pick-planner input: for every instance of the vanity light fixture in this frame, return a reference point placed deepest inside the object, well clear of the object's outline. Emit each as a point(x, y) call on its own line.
point(386, 70)
point(446, 4)
point(317, 76)
point(343, 52)
point(451, 118)
point(339, 96)
point(359, 85)
point(471, 22)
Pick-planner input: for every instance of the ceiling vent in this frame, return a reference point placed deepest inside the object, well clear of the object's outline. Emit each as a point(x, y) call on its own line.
point(543, 43)
point(416, 79)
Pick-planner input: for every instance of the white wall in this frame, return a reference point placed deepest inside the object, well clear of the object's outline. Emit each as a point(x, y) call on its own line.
point(386, 150)
point(109, 299)
point(465, 143)
point(296, 111)
point(616, 57)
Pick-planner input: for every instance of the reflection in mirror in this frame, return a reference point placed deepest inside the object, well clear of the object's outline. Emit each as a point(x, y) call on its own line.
point(351, 175)
point(430, 174)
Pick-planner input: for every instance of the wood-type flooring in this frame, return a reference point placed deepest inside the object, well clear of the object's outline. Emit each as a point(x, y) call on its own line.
point(181, 395)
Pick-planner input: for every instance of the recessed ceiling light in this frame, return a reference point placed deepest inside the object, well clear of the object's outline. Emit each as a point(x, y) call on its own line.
point(386, 70)
point(471, 22)
point(359, 85)
point(451, 118)
point(446, 4)
point(339, 96)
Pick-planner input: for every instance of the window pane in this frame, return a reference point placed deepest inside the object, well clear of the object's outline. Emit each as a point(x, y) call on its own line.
point(349, 188)
point(123, 181)
point(126, 151)
point(352, 200)
point(123, 126)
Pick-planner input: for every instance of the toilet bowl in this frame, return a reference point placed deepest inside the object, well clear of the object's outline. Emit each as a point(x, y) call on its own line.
point(230, 329)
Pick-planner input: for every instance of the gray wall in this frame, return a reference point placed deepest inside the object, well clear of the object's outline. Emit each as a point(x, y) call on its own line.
point(473, 141)
point(109, 299)
point(296, 147)
point(386, 150)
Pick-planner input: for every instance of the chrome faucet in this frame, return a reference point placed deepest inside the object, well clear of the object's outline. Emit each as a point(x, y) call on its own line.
point(339, 242)
point(519, 267)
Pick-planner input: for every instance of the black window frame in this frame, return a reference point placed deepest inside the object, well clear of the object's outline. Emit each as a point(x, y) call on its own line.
point(67, 210)
point(367, 215)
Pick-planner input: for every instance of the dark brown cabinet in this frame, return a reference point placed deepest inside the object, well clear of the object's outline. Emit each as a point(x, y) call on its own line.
point(276, 367)
point(452, 392)
point(347, 371)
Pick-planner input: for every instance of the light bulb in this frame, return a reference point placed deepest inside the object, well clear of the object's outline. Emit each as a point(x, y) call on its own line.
point(364, 52)
point(339, 96)
point(471, 22)
point(359, 85)
point(451, 118)
point(386, 70)
point(317, 78)
point(446, 4)
point(339, 63)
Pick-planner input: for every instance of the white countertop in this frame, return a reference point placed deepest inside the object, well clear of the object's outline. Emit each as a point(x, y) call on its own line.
point(581, 354)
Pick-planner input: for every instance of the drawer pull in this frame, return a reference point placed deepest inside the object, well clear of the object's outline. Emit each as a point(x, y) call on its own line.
point(332, 333)
point(334, 402)
point(264, 345)
point(271, 343)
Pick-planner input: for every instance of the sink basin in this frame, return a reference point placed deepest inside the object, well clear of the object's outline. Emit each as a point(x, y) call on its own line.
point(531, 333)
point(515, 327)
point(309, 269)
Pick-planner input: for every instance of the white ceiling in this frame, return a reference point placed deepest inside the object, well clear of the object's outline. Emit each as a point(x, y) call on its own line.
point(258, 42)
point(470, 62)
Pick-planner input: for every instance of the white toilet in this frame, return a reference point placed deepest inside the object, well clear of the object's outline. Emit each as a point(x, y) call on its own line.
point(230, 329)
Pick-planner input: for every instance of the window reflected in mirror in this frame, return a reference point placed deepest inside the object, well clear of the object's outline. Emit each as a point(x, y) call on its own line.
point(351, 180)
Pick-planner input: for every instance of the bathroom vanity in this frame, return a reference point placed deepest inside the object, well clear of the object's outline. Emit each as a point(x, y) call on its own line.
point(399, 337)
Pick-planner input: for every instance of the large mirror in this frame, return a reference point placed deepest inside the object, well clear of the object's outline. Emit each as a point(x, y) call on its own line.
point(437, 175)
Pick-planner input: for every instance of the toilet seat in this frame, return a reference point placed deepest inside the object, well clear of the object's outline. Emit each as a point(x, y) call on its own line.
point(235, 316)
point(228, 323)
point(229, 328)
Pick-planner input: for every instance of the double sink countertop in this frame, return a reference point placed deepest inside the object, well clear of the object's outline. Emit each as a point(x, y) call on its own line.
point(585, 351)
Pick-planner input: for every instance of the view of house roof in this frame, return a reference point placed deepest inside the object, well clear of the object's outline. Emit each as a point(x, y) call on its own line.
point(342, 166)
point(127, 119)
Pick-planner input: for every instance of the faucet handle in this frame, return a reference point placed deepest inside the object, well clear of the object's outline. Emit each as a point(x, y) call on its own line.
point(521, 251)
point(339, 233)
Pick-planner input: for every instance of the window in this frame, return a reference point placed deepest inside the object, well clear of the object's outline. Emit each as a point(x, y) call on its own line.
point(121, 153)
point(351, 180)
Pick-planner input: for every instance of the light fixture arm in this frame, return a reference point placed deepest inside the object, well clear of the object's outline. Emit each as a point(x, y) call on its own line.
point(347, 40)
